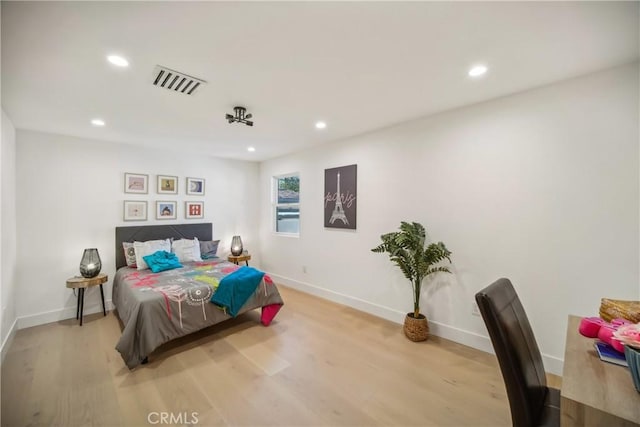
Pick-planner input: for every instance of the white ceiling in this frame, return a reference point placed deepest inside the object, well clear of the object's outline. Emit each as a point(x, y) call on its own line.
point(359, 66)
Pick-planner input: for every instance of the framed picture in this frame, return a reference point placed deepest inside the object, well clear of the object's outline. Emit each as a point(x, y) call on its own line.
point(136, 183)
point(195, 186)
point(340, 197)
point(135, 210)
point(167, 184)
point(194, 210)
point(166, 210)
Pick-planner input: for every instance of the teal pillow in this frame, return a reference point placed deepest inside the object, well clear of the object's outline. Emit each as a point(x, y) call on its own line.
point(161, 261)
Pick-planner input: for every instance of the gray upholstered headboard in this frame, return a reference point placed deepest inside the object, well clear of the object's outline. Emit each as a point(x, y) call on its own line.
point(141, 233)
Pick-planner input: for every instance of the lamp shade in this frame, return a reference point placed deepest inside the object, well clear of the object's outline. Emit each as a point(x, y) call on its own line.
point(236, 246)
point(90, 264)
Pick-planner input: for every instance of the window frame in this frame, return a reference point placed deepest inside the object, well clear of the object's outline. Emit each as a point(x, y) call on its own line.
point(275, 205)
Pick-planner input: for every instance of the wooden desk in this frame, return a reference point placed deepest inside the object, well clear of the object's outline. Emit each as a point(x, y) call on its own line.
point(595, 393)
point(81, 283)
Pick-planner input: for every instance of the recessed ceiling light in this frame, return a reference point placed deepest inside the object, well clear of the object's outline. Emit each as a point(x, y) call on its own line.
point(97, 122)
point(477, 70)
point(118, 60)
point(321, 125)
point(251, 149)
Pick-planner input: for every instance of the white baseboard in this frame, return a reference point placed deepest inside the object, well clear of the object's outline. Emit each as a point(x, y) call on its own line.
point(60, 314)
point(461, 336)
point(553, 364)
point(357, 303)
point(480, 342)
point(8, 340)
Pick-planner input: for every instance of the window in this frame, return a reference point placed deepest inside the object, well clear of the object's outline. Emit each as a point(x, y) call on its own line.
point(286, 203)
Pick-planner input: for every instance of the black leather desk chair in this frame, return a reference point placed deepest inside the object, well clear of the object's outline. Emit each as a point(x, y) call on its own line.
point(532, 403)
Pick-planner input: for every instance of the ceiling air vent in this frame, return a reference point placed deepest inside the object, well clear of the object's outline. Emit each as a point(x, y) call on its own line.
point(176, 81)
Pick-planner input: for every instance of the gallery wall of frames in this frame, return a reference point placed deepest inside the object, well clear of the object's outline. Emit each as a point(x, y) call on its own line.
point(166, 188)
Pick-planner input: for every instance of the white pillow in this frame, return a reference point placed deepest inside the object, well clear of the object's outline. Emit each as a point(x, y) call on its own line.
point(147, 248)
point(187, 250)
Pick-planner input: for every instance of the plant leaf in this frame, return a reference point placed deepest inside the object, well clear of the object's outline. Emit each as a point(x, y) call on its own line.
point(406, 249)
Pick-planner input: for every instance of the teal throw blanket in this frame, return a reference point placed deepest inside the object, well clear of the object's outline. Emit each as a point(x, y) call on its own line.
point(236, 288)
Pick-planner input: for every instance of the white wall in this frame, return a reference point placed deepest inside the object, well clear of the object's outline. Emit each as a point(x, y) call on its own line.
point(70, 197)
point(8, 230)
point(541, 187)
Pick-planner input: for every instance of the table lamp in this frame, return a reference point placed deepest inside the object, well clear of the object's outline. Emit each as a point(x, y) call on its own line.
point(236, 246)
point(90, 264)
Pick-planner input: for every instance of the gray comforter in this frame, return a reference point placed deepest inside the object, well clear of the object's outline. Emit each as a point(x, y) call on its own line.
point(158, 307)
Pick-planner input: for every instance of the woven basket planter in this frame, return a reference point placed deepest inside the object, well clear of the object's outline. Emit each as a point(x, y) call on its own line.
point(416, 329)
point(611, 309)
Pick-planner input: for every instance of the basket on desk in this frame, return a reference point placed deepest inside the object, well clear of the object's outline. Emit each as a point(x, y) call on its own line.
point(614, 309)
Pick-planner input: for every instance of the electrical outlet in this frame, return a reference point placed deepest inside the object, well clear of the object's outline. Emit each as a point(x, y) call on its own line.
point(304, 269)
point(474, 309)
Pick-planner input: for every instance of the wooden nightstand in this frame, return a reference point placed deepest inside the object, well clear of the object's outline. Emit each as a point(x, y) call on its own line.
point(236, 259)
point(81, 283)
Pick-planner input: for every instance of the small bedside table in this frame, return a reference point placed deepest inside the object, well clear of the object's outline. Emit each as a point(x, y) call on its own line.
point(81, 283)
point(236, 259)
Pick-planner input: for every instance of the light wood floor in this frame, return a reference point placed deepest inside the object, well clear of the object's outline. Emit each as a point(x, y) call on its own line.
point(318, 364)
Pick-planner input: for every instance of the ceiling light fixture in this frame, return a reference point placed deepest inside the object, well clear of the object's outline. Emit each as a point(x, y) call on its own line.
point(477, 70)
point(240, 116)
point(118, 60)
point(251, 149)
point(321, 125)
point(97, 122)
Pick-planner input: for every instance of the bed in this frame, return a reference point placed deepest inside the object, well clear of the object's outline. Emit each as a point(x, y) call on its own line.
point(158, 307)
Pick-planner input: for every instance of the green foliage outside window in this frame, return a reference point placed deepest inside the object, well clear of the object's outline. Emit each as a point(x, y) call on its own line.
point(289, 183)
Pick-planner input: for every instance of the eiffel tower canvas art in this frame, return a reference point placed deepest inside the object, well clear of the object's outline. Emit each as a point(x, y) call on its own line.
point(340, 197)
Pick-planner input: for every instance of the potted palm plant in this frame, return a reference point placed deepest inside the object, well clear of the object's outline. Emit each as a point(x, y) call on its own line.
point(406, 249)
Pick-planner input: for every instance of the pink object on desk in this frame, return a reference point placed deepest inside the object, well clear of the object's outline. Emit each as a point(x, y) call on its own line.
point(590, 326)
point(606, 333)
point(617, 345)
point(619, 322)
point(595, 327)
